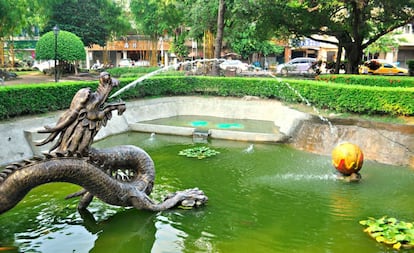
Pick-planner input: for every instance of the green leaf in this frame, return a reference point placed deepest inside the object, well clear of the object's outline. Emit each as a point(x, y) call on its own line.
point(390, 231)
point(400, 237)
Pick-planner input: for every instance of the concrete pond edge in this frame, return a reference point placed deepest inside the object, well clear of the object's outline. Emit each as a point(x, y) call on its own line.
point(385, 143)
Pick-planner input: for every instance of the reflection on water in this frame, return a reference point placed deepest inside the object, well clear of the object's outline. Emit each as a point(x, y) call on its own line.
point(274, 199)
point(51, 240)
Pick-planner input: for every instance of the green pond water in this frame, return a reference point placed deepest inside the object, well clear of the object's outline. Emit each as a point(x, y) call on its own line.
point(272, 199)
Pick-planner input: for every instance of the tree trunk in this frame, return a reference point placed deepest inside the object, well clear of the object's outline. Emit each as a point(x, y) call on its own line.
point(208, 44)
point(219, 36)
point(11, 50)
point(338, 59)
point(153, 57)
point(105, 56)
point(76, 67)
point(2, 53)
point(353, 48)
point(354, 54)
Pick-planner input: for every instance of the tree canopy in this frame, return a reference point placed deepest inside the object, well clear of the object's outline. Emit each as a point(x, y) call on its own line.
point(354, 23)
point(19, 15)
point(94, 21)
point(157, 19)
point(69, 47)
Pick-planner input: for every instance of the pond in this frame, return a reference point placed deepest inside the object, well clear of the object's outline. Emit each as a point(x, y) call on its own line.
point(262, 198)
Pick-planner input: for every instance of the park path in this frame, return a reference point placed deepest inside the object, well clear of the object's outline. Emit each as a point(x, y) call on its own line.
point(34, 77)
point(38, 77)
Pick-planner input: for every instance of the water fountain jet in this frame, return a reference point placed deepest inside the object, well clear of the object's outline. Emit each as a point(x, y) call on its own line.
point(156, 72)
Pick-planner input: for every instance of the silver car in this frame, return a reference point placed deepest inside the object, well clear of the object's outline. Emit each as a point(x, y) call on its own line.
point(238, 65)
point(299, 65)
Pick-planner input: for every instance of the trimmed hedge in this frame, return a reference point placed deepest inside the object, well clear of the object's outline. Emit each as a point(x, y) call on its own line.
point(19, 100)
point(369, 80)
point(338, 97)
point(40, 98)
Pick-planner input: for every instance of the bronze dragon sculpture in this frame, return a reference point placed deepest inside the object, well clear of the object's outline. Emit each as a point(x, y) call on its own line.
point(122, 175)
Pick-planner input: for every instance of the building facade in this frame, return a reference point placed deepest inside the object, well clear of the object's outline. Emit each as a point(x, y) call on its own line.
point(139, 49)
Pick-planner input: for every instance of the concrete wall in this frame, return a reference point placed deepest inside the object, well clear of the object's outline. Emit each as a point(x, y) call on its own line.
point(381, 142)
point(20, 134)
point(253, 108)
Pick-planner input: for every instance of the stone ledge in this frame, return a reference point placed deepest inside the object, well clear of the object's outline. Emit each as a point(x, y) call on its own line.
point(246, 136)
point(161, 129)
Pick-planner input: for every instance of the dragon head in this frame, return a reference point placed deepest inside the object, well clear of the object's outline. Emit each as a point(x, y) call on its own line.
point(106, 80)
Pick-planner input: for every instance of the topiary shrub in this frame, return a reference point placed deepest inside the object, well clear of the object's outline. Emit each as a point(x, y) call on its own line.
point(70, 48)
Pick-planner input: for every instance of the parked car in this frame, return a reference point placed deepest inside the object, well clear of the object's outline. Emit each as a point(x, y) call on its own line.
point(43, 65)
point(125, 63)
point(238, 65)
point(381, 67)
point(142, 64)
point(296, 66)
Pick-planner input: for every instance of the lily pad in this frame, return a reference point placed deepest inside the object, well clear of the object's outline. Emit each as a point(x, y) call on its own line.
point(390, 231)
point(198, 152)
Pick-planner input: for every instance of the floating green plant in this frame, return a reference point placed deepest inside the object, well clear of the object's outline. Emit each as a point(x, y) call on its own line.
point(390, 231)
point(198, 152)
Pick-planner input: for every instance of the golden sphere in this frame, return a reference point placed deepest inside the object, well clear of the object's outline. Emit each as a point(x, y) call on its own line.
point(347, 158)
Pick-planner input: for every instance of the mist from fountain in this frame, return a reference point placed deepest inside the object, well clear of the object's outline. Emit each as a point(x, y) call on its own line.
point(306, 101)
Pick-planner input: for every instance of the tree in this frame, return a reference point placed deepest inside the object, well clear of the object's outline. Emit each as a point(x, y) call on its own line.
point(384, 44)
point(19, 15)
point(202, 24)
point(246, 42)
point(70, 48)
point(239, 18)
point(179, 47)
point(354, 23)
point(157, 18)
point(220, 33)
point(94, 21)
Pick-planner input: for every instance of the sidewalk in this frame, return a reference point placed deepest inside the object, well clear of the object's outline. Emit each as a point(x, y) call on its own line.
point(39, 77)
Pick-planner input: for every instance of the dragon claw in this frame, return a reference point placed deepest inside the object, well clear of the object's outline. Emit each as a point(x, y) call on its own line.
point(189, 198)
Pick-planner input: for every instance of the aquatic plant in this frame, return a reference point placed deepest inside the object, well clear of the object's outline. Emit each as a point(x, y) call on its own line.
point(390, 231)
point(200, 152)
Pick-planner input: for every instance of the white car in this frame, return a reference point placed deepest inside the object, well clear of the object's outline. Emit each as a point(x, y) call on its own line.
point(125, 63)
point(234, 64)
point(299, 65)
point(43, 66)
point(142, 64)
